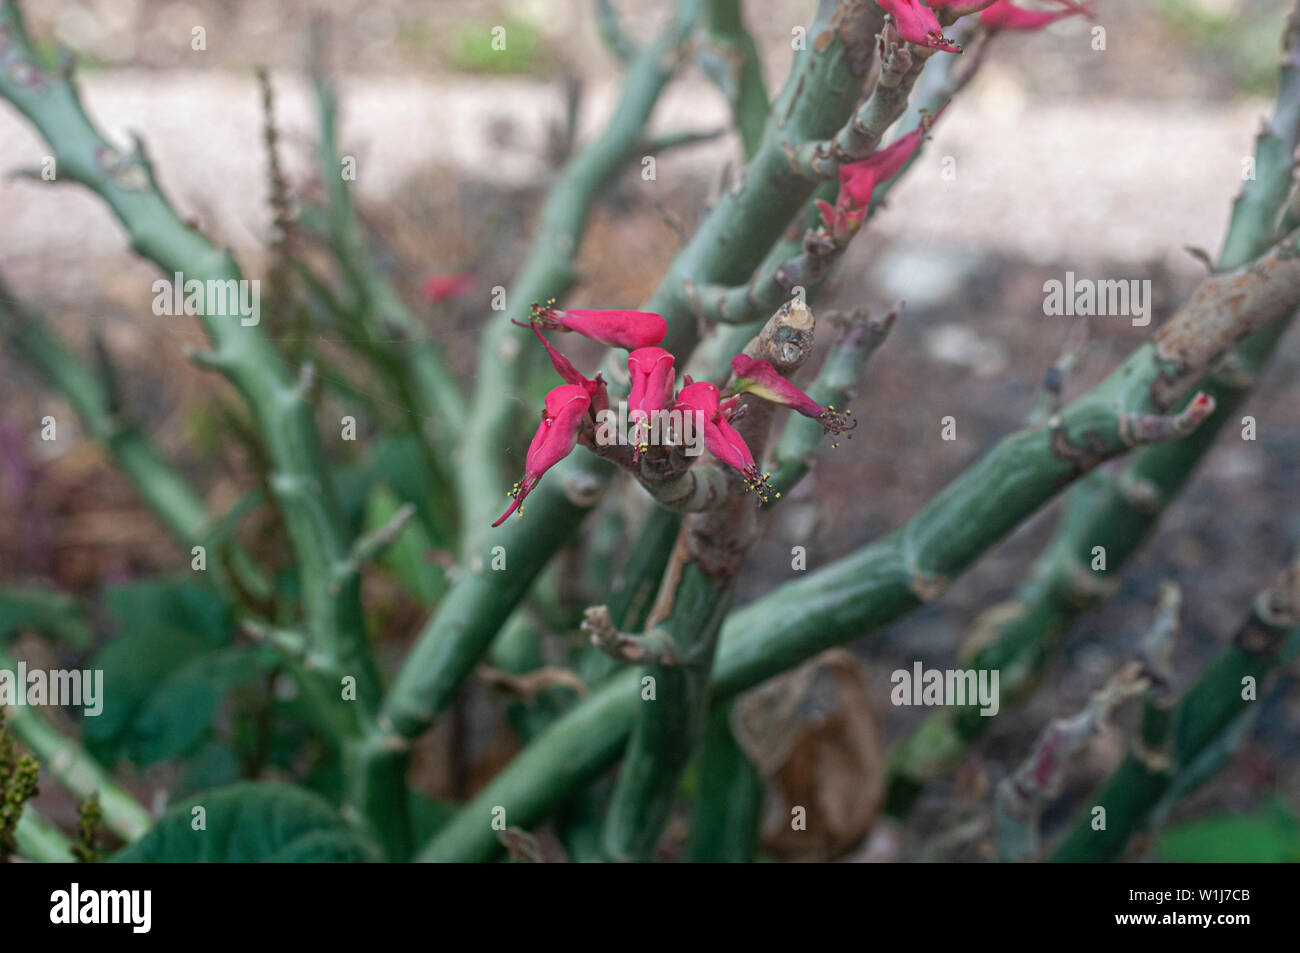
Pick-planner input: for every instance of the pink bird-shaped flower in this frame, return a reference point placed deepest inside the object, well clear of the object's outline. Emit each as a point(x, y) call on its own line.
point(651, 373)
point(443, 287)
point(566, 408)
point(721, 439)
point(858, 180)
point(918, 24)
point(1005, 15)
point(626, 329)
point(959, 8)
point(758, 377)
point(595, 389)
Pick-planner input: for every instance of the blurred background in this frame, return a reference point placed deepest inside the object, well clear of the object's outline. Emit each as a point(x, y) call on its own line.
point(1106, 163)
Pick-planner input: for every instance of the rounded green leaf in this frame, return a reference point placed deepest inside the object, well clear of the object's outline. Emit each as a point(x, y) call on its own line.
point(250, 822)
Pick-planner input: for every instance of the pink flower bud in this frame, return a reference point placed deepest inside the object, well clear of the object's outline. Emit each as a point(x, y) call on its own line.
point(720, 438)
point(959, 8)
point(859, 179)
point(1005, 15)
point(918, 24)
point(651, 373)
point(442, 287)
point(702, 396)
point(758, 377)
point(571, 375)
point(626, 329)
point(566, 407)
point(841, 223)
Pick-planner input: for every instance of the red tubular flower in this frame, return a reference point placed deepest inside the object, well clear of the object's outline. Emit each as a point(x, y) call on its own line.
point(626, 329)
point(566, 406)
point(841, 222)
point(651, 372)
point(1005, 15)
point(959, 8)
point(720, 438)
point(595, 389)
point(918, 24)
point(442, 287)
point(758, 377)
point(859, 179)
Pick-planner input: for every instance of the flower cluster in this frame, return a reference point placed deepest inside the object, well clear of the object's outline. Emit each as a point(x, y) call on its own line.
point(917, 22)
point(579, 400)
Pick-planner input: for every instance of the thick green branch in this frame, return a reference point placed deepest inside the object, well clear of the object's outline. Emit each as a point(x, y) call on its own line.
point(75, 768)
point(505, 352)
point(730, 58)
point(863, 591)
point(1208, 710)
point(392, 335)
point(486, 592)
point(807, 256)
point(244, 353)
point(41, 841)
point(242, 350)
point(729, 805)
point(168, 494)
point(821, 92)
point(835, 385)
point(1118, 512)
point(671, 721)
point(694, 598)
point(901, 64)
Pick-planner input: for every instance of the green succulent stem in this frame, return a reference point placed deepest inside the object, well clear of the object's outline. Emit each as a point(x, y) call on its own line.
point(506, 352)
point(1117, 512)
point(75, 769)
point(1206, 711)
point(729, 804)
point(40, 841)
point(880, 582)
point(167, 492)
point(277, 395)
point(737, 71)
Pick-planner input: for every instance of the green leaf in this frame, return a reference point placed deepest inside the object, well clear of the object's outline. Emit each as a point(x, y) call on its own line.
point(212, 766)
point(250, 822)
point(398, 462)
point(40, 610)
point(1271, 836)
point(177, 605)
point(166, 672)
point(408, 557)
point(135, 664)
point(177, 715)
point(161, 693)
point(428, 815)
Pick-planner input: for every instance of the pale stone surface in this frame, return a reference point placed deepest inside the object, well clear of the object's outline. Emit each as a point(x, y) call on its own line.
point(1051, 182)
